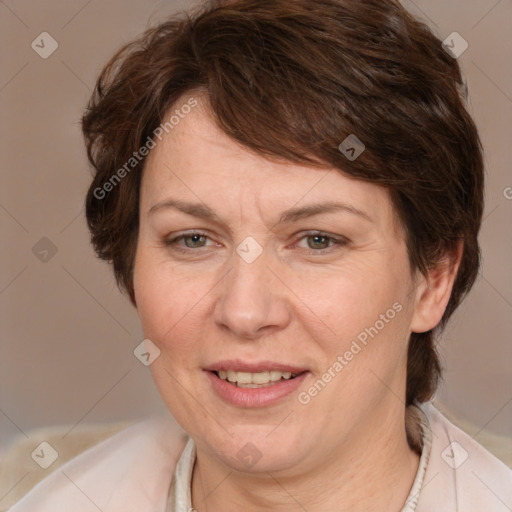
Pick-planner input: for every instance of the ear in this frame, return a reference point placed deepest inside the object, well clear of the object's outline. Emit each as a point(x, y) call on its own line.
point(434, 290)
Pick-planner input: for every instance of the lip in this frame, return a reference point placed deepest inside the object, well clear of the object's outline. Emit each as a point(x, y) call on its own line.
point(254, 397)
point(238, 365)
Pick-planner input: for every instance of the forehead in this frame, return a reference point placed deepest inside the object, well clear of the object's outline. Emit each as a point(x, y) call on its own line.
point(196, 160)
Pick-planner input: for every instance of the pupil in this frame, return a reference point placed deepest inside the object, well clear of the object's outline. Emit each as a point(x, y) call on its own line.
point(319, 240)
point(195, 240)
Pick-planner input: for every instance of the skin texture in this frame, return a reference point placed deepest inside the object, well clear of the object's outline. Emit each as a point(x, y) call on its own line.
point(301, 302)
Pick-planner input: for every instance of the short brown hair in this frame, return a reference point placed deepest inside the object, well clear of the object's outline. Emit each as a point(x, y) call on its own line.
point(291, 79)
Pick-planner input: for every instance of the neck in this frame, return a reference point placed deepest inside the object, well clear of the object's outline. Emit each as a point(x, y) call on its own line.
point(374, 471)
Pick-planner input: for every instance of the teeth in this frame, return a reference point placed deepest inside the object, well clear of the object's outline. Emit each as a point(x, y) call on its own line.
point(275, 376)
point(250, 380)
point(260, 378)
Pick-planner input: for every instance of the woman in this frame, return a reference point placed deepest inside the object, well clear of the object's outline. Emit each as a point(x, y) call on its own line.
point(290, 192)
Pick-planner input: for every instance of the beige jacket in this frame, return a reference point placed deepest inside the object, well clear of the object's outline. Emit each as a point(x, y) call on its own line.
point(131, 472)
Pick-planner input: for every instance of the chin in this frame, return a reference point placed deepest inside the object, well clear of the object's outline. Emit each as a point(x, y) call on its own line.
point(256, 449)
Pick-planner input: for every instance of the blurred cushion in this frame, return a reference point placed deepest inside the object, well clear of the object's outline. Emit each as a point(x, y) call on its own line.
point(19, 472)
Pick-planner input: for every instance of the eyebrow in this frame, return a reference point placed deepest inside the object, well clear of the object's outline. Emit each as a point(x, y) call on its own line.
point(292, 215)
point(195, 209)
point(296, 214)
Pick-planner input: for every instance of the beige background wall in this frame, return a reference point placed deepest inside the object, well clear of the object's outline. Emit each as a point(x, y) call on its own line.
point(68, 336)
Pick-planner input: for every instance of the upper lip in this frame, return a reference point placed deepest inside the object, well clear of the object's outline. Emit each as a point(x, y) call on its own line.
point(238, 365)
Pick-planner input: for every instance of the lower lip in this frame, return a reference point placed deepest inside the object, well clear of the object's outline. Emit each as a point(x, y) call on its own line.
point(254, 397)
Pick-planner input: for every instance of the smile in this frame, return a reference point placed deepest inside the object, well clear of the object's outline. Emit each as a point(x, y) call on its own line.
point(254, 380)
point(254, 385)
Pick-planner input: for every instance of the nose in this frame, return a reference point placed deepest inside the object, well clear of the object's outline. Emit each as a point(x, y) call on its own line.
point(252, 301)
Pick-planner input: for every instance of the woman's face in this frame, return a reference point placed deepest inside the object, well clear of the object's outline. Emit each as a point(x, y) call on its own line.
point(252, 270)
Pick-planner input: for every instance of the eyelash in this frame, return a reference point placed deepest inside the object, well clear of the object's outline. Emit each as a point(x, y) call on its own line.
point(335, 241)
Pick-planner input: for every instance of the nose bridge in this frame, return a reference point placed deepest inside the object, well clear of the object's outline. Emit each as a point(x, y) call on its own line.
point(251, 299)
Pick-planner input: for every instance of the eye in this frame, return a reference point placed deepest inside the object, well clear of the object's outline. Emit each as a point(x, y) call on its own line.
point(318, 241)
point(194, 240)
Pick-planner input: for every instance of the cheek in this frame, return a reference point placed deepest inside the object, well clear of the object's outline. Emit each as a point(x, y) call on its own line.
point(165, 298)
point(360, 327)
point(342, 302)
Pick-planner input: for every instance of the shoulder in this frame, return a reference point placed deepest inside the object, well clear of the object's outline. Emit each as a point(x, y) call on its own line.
point(129, 471)
point(461, 474)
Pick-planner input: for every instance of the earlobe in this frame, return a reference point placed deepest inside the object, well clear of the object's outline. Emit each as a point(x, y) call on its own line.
point(434, 290)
